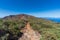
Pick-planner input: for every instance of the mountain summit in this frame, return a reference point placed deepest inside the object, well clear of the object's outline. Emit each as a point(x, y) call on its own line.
point(20, 16)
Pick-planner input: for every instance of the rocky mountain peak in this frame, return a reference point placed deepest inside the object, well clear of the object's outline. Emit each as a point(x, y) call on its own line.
point(17, 17)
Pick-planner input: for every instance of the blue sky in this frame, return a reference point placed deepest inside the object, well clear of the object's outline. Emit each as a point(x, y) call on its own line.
point(38, 8)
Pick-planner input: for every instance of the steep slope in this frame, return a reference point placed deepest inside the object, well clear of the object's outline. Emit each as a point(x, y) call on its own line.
point(47, 28)
point(38, 22)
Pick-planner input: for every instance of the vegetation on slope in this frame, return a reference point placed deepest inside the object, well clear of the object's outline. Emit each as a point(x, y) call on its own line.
point(12, 25)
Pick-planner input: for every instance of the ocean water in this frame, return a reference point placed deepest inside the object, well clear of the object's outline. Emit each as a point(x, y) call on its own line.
point(54, 19)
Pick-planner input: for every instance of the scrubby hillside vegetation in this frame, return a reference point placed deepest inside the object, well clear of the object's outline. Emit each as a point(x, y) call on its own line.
point(10, 27)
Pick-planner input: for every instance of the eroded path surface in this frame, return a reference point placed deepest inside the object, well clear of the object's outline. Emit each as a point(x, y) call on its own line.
point(29, 33)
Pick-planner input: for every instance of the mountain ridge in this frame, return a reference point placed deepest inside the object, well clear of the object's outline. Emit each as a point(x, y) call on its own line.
point(13, 24)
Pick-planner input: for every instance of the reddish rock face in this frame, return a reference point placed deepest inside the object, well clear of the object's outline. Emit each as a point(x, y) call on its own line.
point(29, 33)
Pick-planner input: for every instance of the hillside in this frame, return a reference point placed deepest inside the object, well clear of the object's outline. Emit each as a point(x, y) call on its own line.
point(12, 24)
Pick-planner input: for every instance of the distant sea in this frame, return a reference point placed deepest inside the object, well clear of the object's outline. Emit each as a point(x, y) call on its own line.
point(54, 19)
